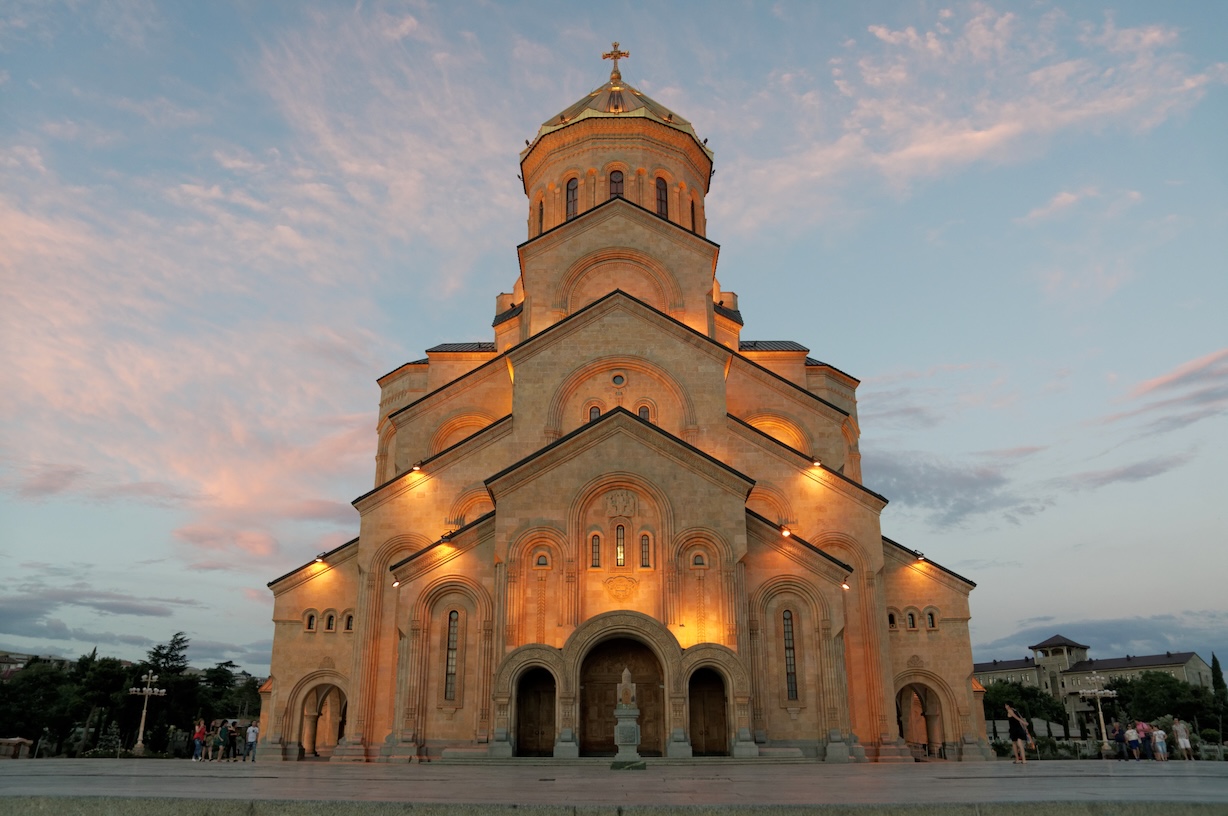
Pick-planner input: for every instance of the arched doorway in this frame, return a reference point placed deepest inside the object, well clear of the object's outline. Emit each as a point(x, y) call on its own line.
point(919, 717)
point(599, 677)
point(324, 712)
point(709, 729)
point(535, 729)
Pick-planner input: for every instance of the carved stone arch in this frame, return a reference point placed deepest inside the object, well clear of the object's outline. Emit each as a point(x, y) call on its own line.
point(530, 656)
point(772, 503)
point(385, 449)
point(782, 429)
point(723, 660)
point(710, 538)
point(396, 548)
point(462, 584)
point(844, 547)
point(468, 505)
point(529, 539)
point(620, 479)
point(669, 293)
point(851, 432)
point(623, 623)
point(782, 584)
point(951, 712)
point(457, 427)
point(661, 171)
point(307, 683)
point(567, 388)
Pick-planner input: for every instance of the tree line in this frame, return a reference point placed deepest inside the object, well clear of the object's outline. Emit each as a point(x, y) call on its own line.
point(68, 708)
point(1147, 697)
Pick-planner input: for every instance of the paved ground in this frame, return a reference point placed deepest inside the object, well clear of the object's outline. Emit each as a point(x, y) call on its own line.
point(144, 786)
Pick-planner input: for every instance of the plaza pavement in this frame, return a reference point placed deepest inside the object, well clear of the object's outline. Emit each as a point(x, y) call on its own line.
point(591, 788)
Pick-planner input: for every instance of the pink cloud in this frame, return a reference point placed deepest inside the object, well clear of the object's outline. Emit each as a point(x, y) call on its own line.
point(1210, 368)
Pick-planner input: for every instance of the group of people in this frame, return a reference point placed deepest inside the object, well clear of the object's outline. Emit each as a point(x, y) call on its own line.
point(1145, 741)
point(219, 742)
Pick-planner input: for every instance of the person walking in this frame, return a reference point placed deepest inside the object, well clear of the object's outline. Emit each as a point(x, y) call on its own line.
point(1181, 733)
point(1018, 734)
point(249, 747)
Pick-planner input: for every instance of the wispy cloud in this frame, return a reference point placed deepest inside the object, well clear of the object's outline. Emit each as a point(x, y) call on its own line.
point(1191, 392)
point(1132, 472)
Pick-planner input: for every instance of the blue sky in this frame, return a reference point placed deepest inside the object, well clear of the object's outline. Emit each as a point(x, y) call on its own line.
point(220, 222)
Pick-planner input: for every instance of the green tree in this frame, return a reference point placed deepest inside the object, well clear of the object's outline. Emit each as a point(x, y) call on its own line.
point(40, 696)
point(1217, 682)
point(170, 658)
point(1029, 701)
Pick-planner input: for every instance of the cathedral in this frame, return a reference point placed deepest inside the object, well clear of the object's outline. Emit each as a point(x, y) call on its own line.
point(618, 481)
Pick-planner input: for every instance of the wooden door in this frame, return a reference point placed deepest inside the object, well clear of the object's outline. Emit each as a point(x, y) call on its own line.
point(709, 726)
point(535, 714)
point(599, 678)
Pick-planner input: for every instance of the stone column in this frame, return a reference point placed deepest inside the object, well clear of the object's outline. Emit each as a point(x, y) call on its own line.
point(309, 734)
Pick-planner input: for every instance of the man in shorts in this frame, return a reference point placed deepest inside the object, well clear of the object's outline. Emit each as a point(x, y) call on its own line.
point(249, 747)
point(1181, 733)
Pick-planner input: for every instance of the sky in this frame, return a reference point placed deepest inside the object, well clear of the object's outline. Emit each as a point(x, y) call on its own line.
point(221, 222)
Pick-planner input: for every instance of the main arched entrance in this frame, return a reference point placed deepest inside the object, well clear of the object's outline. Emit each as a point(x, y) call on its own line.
point(323, 724)
point(535, 714)
point(599, 677)
point(919, 716)
point(709, 722)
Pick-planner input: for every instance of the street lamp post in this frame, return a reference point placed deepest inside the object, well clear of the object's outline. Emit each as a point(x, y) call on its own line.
point(147, 691)
point(1098, 680)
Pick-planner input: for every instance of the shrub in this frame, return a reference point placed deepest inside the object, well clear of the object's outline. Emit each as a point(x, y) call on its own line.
point(1209, 735)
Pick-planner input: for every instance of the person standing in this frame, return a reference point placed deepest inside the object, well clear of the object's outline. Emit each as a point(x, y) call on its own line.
point(1119, 740)
point(1018, 733)
point(1144, 738)
point(1181, 733)
point(1132, 741)
point(253, 734)
point(198, 741)
point(1160, 740)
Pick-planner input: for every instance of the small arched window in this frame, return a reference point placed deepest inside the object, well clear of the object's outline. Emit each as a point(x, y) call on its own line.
point(693, 229)
point(620, 546)
point(890, 620)
point(662, 198)
point(929, 619)
point(541, 217)
point(330, 623)
point(573, 198)
point(790, 655)
point(594, 414)
point(698, 560)
point(595, 548)
point(349, 623)
point(616, 184)
point(311, 623)
point(645, 552)
point(543, 561)
point(643, 412)
point(912, 621)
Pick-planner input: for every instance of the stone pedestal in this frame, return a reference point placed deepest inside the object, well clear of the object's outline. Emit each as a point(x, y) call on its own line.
point(837, 749)
point(627, 733)
point(678, 746)
point(744, 746)
point(566, 746)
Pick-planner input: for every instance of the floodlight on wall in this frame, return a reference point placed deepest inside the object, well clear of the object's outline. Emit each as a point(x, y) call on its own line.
point(396, 584)
point(785, 531)
point(844, 584)
point(816, 461)
point(920, 556)
point(416, 466)
point(320, 558)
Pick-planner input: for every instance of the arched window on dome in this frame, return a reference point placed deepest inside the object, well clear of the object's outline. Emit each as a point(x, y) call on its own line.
point(662, 198)
point(594, 414)
point(573, 197)
point(616, 184)
point(541, 217)
point(644, 413)
point(693, 229)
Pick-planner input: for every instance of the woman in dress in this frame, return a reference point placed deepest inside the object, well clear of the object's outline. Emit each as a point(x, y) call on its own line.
point(1018, 733)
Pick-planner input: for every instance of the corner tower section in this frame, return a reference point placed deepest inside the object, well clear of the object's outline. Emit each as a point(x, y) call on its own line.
point(616, 185)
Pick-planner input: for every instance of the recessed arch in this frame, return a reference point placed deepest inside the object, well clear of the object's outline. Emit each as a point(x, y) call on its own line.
point(665, 293)
point(661, 376)
point(782, 429)
point(771, 503)
point(470, 504)
point(458, 427)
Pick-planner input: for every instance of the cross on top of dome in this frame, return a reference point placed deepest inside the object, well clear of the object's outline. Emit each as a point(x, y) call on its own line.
point(616, 55)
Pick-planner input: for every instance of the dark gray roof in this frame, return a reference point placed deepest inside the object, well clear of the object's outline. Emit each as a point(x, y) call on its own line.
point(733, 314)
point(770, 345)
point(1059, 640)
point(1004, 665)
point(503, 317)
point(1133, 662)
point(480, 346)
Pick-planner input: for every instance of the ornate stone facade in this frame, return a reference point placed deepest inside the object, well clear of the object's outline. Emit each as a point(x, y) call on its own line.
point(619, 482)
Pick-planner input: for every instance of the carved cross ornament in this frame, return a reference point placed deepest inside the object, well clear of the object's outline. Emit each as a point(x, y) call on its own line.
point(620, 503)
